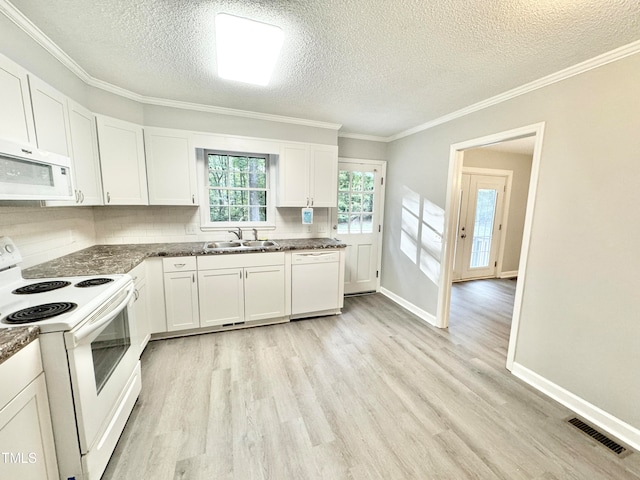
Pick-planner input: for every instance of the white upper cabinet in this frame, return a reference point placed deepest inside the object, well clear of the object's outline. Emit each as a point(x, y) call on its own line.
point(84, 157)
point(307, 176)
point(51, 117)
point(84, 154)
point(16, 117)
point(122, 161)
point(323, 181)
point(171, 167)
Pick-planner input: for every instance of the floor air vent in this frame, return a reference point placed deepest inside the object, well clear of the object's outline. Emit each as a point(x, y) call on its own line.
point(587, 429)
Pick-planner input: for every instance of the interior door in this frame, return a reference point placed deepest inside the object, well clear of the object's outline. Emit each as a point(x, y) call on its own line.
point(357, 222)
point(479, 226)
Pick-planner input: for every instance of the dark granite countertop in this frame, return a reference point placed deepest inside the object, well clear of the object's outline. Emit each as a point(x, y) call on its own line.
point(12, 340)
point(114, 259)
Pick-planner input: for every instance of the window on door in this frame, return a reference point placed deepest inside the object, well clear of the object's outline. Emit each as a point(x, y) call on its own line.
point(355, 201)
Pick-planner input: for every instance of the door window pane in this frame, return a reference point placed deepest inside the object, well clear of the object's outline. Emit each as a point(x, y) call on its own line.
point(483, 228)
point(355, 208)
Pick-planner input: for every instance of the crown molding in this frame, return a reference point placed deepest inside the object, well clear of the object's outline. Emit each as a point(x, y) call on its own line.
point(17, 17)
point(360, 136)
point(11, 12)
point(595, 62)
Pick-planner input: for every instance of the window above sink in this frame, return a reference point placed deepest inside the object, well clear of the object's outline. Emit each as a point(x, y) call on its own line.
point(237, 190)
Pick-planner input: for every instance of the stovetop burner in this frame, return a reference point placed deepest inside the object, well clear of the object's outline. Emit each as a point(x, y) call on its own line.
point(41, 287)
point(93, 282)
point(40, 312)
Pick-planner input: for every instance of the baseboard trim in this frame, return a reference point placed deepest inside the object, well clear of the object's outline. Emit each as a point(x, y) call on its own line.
point(420, 313)
point(607, 422)
point(510, 274)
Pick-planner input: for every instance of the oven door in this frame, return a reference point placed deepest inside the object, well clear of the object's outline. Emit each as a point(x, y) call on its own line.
point(102, 356)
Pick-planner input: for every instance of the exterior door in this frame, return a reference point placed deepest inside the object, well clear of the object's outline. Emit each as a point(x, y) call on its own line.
point(479, 226)
point(358, 222)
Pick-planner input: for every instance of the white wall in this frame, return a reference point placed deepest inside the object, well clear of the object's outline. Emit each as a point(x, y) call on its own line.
point(580, 321)
point(363, 149)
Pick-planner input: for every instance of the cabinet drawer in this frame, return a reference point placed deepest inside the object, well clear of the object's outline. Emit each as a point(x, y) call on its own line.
point(178, 264)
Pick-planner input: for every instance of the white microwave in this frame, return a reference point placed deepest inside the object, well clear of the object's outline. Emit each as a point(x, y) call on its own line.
point(27, 173)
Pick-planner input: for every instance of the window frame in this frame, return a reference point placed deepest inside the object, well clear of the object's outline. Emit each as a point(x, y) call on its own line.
point(205, 214)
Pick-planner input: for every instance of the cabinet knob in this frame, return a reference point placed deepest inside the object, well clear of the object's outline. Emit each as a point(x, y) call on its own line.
point(108, 197)
point(193, 199)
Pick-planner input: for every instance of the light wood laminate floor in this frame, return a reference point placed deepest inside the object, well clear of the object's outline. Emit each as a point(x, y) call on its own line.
point(372, 394)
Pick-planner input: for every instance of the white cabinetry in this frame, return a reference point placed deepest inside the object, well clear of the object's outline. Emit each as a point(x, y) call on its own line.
point(51, 117)
point(234, 289)
point(307, 176)
point(171, 167)
point(26, 436)
point(141, 305)
point(16, 117)
point(181, 293)
point(84, 157)
point(221, 293)
point(124, 177)
point(84, 154)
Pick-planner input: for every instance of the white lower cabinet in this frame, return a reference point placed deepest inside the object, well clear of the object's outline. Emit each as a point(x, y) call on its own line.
point(234, 289)
point(181, 293)
point(26, 436)
point(141, 305)
point(263, 293)
point(221, 296)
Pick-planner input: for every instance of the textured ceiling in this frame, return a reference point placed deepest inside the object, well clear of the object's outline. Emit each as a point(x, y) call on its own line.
point(376, 66)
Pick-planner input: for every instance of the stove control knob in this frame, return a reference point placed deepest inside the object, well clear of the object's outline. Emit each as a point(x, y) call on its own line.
point(9, 248)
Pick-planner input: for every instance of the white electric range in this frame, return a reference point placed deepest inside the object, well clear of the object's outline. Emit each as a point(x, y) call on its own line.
point(89, 354)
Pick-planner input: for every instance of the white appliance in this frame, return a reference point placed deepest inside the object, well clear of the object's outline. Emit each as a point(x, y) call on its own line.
point(314, 282)
point(27, 173)
point(89, 354)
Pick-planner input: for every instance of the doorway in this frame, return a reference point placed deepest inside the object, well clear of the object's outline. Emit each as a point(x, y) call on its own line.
point(482, 221)
point(535, 133)
point(358, 222)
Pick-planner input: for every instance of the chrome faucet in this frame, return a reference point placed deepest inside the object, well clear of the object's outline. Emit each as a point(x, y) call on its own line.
point(255, 233)
point(237, 234)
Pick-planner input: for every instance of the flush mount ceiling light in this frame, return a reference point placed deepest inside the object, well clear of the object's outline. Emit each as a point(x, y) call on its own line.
point(247, 50)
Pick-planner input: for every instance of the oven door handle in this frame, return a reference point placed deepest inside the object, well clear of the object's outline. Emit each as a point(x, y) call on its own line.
point(98, 323)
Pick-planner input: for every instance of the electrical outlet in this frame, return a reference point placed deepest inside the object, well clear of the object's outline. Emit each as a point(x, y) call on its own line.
point(308, 228)
point(322, 228)
point(191, 230)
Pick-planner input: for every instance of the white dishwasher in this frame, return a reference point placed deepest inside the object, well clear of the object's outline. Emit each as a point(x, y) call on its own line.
point(315, 278)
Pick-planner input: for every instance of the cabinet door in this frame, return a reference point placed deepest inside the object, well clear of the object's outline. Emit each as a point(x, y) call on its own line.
point(170, 167)
point(84, 152)
point(264, 293)
point(181, 300)
point(124, 177)
point(293, 176)
point(16, 117)
point(324, 176)
point(51, 117)
point(141, 306)
point(26, 436)
point(221, 296)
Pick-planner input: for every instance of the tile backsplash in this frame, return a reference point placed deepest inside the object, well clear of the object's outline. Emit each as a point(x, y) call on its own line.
point(170, 224)
point(44, 233)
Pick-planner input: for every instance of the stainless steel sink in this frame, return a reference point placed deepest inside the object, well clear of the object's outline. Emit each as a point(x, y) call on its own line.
point(223, 245)
point(259, 243)
point(246, 245)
